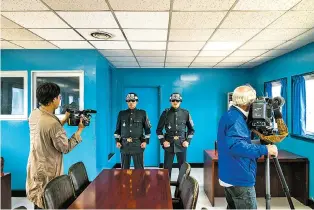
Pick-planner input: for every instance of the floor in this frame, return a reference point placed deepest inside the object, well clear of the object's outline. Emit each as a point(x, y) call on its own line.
point(203, 202)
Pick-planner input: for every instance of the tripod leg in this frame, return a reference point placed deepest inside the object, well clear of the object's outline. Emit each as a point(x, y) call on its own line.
point(267, 182)
point(283, 182)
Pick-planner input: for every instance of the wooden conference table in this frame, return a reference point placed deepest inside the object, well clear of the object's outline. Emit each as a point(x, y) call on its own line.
point(124, 189)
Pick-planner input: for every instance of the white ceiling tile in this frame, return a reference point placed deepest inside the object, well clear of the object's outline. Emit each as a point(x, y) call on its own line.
point(202, 5)
point(113, 45)
point(262, 59)
point(8, 45)
point(177, 64)
point(72, 5)
point(265, 4)
point(124, 59)
point(250, 19)
point(292, 45)
point(18, 34)
point(36, 19)
point(109, 53)
point(222, 45)
point(250, 64)
point(148, 45)
point(143, 19)
point(192, 20)
point(57, 34)
point(35, 44)
point(72, 44)
point(228, 65)
point(214, 53)
point(309, 35)
point(275, 53)
point(125, 64)
point(6, 23)
point(151, 59)
point(146, 53)
point(179, 59)
point(208, 59)
point(182, 53)
point(117, 34)
point(277, 34)
point(22, 5)
point(249, 53)
point(143, 5)
point(147, 64)
point(146, 34)
point(237, 59)
point(260, 45)
point(305, 5)
point(185, 45)
point(295, 19)
point(234, 34)
point(190, 34)
point(89, 19)
point(204, 64)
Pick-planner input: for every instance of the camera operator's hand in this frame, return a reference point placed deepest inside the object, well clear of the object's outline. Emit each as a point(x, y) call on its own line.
point(118, 145)
point(66, 117)
point(166, 144)
point(81, 126)
point(272, 150)
point(143, 145)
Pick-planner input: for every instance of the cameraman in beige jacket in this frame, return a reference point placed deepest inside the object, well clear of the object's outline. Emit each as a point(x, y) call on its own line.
point(48, 143)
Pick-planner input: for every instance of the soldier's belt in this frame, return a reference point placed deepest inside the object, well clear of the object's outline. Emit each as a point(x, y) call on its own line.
point(130, 139)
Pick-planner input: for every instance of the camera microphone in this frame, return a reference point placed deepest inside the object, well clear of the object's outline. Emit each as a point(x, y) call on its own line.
point(278, 100)
point(90, 111)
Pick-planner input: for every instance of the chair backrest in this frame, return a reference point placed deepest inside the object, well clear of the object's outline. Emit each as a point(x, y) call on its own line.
point(184, 170)
point(79, 177)
point(58, 193)
point(189, 190)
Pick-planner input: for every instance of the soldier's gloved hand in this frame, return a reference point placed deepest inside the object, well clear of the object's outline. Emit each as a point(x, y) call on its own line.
point(118, 145)
point(185, 144)
point(166, 144)
point(143, 145)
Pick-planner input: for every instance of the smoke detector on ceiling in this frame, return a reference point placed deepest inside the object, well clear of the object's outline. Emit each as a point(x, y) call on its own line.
point(102, 35)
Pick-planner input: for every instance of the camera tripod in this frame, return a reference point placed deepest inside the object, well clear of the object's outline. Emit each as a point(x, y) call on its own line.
point(281, 178)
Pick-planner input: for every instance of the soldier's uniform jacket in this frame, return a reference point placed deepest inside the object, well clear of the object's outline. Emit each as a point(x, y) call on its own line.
point(175, 122)
point(130, 126)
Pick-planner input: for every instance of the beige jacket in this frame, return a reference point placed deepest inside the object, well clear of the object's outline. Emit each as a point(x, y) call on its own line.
point(48, 141)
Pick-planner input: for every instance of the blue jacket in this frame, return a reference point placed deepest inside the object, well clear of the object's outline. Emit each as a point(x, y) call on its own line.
point(236, 154)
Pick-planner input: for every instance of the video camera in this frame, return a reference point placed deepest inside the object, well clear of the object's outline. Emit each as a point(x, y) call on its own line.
point(75, 115)
point(261, 116)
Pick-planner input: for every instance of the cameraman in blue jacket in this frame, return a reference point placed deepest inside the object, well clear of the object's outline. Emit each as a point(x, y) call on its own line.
point(237, 155)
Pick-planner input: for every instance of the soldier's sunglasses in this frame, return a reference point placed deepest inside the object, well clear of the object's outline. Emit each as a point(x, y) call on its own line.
point(131, 101)
point(175, 100)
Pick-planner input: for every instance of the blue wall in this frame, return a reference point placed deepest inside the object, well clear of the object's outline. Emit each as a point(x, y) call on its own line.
point(297, 62)
point(205, 98)
point(15, 134)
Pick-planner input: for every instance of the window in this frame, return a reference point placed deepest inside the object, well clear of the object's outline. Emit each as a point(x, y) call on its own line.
point(276, 89)
point(71, 88)
point(309, 87)
point(13, 95)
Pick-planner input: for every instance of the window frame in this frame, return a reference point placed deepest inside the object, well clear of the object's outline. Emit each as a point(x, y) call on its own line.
point(59, 73)
point(24, 75)
point(309, 77)
point(307, 136)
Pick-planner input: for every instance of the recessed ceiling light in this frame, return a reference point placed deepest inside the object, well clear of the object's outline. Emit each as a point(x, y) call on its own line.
point(102, 35)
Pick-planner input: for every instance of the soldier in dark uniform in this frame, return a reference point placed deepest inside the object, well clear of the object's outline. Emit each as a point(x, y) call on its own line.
point(176, 140)
point(129, 133)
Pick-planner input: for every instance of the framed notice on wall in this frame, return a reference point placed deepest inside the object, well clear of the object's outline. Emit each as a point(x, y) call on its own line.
point(229, 99)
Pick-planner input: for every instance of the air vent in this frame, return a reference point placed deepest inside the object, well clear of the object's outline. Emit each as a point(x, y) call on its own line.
point(102, 35)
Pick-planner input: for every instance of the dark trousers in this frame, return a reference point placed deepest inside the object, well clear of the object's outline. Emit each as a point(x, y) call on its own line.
point(138, 160)
point(168, 160)
point(241, 197)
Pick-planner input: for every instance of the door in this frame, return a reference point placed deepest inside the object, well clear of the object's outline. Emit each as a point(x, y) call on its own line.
point(148, 101)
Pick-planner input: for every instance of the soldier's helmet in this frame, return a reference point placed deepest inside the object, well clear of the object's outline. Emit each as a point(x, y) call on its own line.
point(175, 96)
point(131, 97)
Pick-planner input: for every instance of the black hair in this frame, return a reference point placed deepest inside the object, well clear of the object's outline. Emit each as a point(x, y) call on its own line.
point(46, 92)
